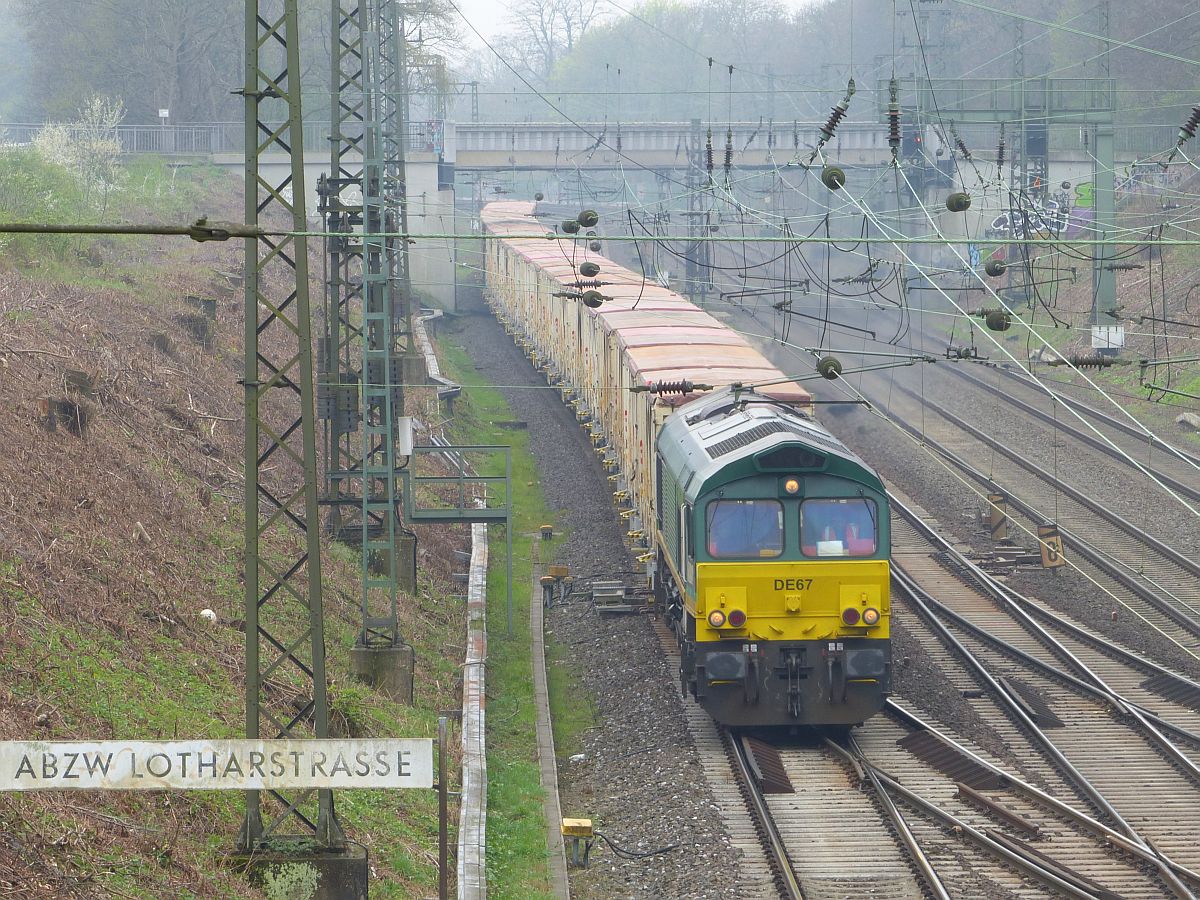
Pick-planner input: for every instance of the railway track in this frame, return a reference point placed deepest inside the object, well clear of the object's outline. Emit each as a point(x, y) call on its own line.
point(1158, 583)
point(1080, 715)
point(798, 815)
point(1024, 839)
point(1116, 735)
point(1173, 466)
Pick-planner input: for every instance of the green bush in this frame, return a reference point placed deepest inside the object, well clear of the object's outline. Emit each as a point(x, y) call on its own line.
point(33, 190)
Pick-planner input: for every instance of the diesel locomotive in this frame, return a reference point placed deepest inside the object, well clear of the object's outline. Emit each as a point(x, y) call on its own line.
point(773, 543)
point(766, 539)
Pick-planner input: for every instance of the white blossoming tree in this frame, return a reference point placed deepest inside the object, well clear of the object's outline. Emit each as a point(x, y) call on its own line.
point(89, 148)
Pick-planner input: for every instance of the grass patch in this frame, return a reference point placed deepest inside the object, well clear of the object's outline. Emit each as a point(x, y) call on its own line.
point(125, 671)
point(571, 707)
point(516, 850)
point(516, 853)
point(169, 688)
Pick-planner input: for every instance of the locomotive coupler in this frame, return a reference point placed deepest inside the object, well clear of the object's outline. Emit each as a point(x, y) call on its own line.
point(750, 679)
point(835, 663)
point(794, 700)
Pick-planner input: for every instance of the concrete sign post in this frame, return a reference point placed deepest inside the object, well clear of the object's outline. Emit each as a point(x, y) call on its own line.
point(253, 765)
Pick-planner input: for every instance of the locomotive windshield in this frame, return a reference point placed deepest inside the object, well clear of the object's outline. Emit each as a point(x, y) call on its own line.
point(837, 527)
point(742, 528)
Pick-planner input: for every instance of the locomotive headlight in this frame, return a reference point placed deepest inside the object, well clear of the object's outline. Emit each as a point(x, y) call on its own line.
point(716, 618)
point(792, 486)
point(737, 618)
point(870, 616)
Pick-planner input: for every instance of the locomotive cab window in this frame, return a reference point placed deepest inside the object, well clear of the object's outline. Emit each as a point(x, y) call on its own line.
point(838, 527)
point(737, 529)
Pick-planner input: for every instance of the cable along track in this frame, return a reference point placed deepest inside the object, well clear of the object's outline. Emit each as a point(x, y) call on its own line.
point(1115, 755)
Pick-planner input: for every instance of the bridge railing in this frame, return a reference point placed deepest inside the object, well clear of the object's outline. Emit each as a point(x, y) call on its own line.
point(671, 138)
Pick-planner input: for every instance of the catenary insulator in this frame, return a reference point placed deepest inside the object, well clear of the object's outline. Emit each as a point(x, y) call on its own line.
point(589, 218)
point(833, 177)
point(539, 196)
point(958, 202)
point(997, 320)
point(589, 270)
point(958, 142)
point(1092, 361)
point(708, 152)
point(995, 267)
point(829, 367)
point(1188, 129)
point(671, 387)
point(894, 116)
point(837, 113)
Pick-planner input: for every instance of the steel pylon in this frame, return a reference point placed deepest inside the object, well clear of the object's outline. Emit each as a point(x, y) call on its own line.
point(340, 194)
point(285, 653)
point(363, 327)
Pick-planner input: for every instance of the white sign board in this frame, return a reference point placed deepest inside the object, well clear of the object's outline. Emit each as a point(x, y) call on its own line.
point(164, 113)
point(1108, 337)
point(215, 765)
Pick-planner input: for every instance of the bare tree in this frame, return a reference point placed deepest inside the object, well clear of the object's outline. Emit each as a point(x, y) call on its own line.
point(542, 31)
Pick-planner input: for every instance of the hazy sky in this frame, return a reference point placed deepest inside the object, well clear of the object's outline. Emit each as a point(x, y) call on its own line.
point(489, 15)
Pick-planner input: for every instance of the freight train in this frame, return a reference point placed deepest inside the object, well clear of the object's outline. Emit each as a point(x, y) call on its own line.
point(766, 539)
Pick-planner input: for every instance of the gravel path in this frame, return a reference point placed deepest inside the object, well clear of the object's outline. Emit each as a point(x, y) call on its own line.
point(639, 777)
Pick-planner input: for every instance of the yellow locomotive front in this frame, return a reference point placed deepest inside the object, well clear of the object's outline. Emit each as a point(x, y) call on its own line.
point(773, 565)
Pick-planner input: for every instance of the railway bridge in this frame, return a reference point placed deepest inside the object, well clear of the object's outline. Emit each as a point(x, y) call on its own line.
point(595, 146)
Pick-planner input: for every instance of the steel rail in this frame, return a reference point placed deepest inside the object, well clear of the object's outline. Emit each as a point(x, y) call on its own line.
point(1091, 440)
point(1139, 534)
point(1026, 609)
point(1059, 807)
point(1149, 721)
point(1016, 709)
point(786, 880)
point(1032, 383)
point(867, 772)
point(1033, 867)
point(1098, 558)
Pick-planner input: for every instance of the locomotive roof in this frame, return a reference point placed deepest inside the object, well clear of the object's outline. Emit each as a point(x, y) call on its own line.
point(715, 439)
point(665, 336)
